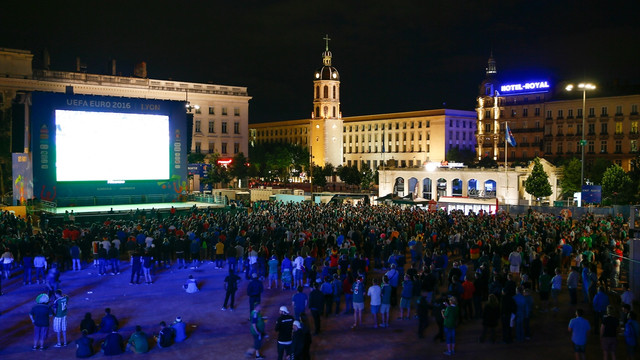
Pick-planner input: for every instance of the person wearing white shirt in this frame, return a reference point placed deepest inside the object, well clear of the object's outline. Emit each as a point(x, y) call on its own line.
point(298, 265)
point(375, 293)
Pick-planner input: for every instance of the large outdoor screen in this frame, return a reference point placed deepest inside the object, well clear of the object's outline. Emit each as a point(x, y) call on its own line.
point(108, 146)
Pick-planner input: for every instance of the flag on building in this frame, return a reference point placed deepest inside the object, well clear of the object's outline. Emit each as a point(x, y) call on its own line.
point(510, 139)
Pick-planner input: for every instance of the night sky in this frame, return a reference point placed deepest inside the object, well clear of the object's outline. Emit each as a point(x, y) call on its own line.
point(413, 55)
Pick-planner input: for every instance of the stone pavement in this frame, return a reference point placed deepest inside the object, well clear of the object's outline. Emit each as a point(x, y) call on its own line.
point(216, 334)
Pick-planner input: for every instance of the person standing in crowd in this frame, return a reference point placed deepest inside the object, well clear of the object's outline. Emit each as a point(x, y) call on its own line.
point(572, 285)
point(60, 304)
point(405, 297)
point(600, 303)
point(608, 333)
point(257, 331)
point(75, 252)
point(490, 318)
point(273, 272)
point(230, 287)
point(316, 304)
point(299, 302)
point(147, 263)
point(556, 287)
point(375, 293)
point(336, 287)
point(450, 315)
point(358, 301)
point(138, 342)
point(114, 259)
point(40, 265)
point(631, 334)
point(385, 301)
point(254, 291)
point(136, 266)
point(39, 315)
point(394, 278)
point(27, 267)
point(327, 290)
point(297, 341)
point(284, 328)
point(579, 328)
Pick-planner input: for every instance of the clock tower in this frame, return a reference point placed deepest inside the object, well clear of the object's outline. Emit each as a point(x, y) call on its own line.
point(326, 119)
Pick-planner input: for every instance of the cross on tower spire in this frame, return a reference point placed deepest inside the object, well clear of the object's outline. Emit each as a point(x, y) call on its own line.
point(326, 40)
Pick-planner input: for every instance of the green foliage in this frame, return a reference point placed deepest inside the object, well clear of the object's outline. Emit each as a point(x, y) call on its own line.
point(275, 161)
point(319, 178)
point(367, 178)
point(463, 156)
point(195, 158)
point(616, 185)
point(487, 162)
point(239, 168)
point(350, 175)
point(537, 184)
point(570, 180)
point(597, 170)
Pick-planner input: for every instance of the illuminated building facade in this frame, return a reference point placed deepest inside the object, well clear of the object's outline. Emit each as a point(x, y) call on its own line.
point(406, 139)
point(220, 113)
point(547, 122)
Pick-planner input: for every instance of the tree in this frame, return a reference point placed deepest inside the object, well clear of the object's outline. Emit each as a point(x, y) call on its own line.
point(350, 175)
point(464, 156)
point(239, 168)
point(319, 176)
point(597, 170)
point(487, 162)
point(195, 158)
point(570, 180)
point(616, 184)
point(537, 184)
point(367, 179)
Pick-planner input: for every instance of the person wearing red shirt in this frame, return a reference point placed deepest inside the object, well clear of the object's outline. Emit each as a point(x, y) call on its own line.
point(466, 303)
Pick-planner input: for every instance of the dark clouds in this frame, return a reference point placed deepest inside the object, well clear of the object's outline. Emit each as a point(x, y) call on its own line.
point(407, 56)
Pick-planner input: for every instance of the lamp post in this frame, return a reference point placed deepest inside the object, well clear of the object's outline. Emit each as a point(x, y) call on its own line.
point(584, 87)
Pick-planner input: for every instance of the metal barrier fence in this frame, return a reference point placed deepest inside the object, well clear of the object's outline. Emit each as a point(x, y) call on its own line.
point(625, 210)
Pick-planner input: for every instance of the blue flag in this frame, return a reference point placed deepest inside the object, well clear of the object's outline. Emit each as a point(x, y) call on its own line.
point(510, 139)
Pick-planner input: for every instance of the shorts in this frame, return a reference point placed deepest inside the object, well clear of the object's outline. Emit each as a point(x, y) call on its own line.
point(257, 343)
point(384, 308)
point(60, 324)
point(544, 295)
point(405, 303)
point(273, 276)
point(609, 344)
point(375, 309)
point(514, 268)
point(297, 275)
point(358, 306)
point(450, 335)
point(579, 348)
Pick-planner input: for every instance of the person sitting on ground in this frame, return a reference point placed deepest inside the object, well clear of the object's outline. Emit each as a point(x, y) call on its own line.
point(138, 342)
point(112, 344)
point(165, 336)
point(109, 322)
point(179, 330)
point(191, 286)
point(88, 324)
point(84, 345)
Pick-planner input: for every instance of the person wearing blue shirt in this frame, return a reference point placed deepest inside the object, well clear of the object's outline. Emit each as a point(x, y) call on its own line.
point(299, 302)
point(579, 328)
point(600, 303)
point(358, 301)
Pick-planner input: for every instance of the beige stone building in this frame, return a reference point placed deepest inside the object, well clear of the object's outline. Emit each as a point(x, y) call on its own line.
point(406, 139)
point(220, 112)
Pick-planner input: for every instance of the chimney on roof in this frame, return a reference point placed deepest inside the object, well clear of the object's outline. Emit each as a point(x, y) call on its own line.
point(46, 60)
point(80, 66)
point(140, 70)
point(113, 67)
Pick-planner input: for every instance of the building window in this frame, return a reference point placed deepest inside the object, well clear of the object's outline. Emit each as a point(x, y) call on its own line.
point(560, 114)
point(224, 111)
point(634, 109)
point(592, 129)
point(549, 114)
point(603, 146)
point(592, 112)
point(198, 147)
point(547, 147)
point(618, 146)
point(236, 111)
point(579, 113)
point(223, 148)
point(633, 145)
point(212, 127)
point(513, 113)
point(525, 112)
point(212, 148)
point(236, 148)
point(591, 147)
point(197, 129)
point(198, 110)
point(334, 91)
point(212, 110)
point(604, 111)
point(317, 92)
point(428, 123)
point(619, 110)
point(559, 149)
point(579, 129)
point(570, 114)
point(224, 128)
point(236, 128)
point(559, 132)
point(603, 129)
point(334, 111)
point(487, 128)
point(326, 92)
point(536, 111)
point(634, 127)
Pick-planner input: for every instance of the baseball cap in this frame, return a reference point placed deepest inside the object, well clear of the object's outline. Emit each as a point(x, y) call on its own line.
point(284, 309)
point(297, 324)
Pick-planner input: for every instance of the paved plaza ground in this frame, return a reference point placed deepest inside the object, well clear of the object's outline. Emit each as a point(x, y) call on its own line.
point(216, 334)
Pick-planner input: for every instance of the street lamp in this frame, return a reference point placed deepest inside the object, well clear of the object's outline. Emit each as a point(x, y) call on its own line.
point(584, 87)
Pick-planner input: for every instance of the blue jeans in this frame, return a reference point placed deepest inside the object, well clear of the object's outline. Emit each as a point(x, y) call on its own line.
point(450, 335)
point(348, 299)
point(233, 263)
point(27, 274)
point(281, 350)
point(102, 266)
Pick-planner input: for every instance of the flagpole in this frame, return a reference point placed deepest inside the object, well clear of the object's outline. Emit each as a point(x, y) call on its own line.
point(506, 166)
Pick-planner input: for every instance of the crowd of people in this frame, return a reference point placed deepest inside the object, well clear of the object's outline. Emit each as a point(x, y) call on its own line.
point(406, 263)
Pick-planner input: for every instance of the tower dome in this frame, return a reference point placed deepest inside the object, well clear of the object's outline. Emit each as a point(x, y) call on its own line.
point(326, 72)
